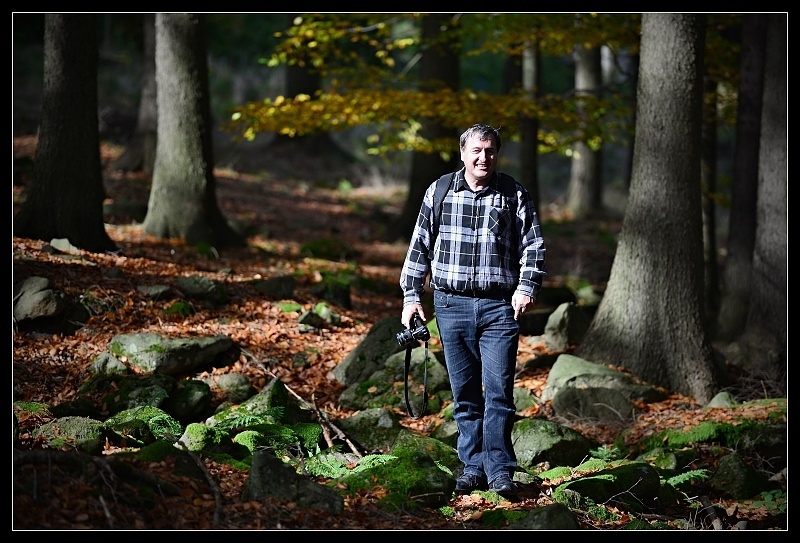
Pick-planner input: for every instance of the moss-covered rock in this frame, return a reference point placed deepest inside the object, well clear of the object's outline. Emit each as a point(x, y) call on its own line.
point(420, 476)
point(81, 433)
point(142, 425)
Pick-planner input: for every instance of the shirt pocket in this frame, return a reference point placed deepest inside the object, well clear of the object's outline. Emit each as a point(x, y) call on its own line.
point(499, 222)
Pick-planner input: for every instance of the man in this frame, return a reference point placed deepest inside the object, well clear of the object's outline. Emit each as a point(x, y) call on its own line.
point(485, 256)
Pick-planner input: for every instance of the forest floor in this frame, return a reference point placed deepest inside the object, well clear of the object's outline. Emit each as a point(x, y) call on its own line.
point(291, 204)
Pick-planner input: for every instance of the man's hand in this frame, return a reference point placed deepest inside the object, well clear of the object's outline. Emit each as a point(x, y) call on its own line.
point(521, 303)
point(409, 310)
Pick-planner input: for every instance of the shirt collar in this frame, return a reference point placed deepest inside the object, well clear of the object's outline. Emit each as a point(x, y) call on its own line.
point(461, 181)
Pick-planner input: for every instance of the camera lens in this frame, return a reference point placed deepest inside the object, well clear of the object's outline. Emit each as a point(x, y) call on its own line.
point(404, 337)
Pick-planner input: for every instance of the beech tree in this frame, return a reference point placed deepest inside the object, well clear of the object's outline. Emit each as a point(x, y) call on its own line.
point(584, 192)
point(736, 273)
point(183, 194)
point(140, 151)
point(66, 197)
point(367, 87)
point(762, 348)
point(438, 67)
point(651, 318)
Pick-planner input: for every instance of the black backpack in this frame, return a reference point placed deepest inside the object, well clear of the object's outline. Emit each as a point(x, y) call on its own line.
point(443, 184)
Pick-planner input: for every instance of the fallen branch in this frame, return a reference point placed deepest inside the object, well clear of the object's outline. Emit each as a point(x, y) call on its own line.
point(322, 416)
point(211, 482)
point(326, 424)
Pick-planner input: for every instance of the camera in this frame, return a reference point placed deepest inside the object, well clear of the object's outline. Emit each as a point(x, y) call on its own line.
point(417, 331)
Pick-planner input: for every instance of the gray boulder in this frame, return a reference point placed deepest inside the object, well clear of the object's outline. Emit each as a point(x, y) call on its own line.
point(539, 440)
point(555, 516)
point(370, 354)
point(154, 353)
point(270, 477)
point(580, 389)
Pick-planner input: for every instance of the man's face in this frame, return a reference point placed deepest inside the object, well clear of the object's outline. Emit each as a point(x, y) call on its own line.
point(480, 158)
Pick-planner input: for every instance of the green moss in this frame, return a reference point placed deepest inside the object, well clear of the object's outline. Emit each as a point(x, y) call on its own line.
point(155, 452)
point(309, 434)
point(41, 409)
point(637, 524)
point(241, 464)
point(408, 479)
point(558, 472)
point(179, 308)
point(501, 517)
point(447, 511)
point(603, 514)
point(289, 307)
point(593, 465)
point(250, 439)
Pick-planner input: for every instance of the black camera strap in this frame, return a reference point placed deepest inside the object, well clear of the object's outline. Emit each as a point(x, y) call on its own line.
point(424, 382)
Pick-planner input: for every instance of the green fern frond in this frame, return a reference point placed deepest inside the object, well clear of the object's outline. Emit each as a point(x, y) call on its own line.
point(688, 476)
point(246, 420)
point(372, 460)
point(334, 465)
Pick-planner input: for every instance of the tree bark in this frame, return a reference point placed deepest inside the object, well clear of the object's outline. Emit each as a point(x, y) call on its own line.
point(66, 197)
point(140, 151)
point(735, 282)
point(529, 127)
point(183, 195)
point(439, 65)
point(305, 80)
point(764, 341)
point(650, 320)
point(584, 192)
point(708, 182)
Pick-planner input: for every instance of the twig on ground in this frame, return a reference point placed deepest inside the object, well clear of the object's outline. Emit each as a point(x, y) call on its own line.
point(211, 482)
point(324, 420)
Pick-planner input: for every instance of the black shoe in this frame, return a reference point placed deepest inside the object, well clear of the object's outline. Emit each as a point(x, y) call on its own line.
point(468, 482)
point(504, 486)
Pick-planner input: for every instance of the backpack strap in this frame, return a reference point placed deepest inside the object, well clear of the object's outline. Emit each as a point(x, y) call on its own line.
point(509, 188)
point(442, 186)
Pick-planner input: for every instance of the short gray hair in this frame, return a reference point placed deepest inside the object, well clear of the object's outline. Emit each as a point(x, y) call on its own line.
point(483, 132)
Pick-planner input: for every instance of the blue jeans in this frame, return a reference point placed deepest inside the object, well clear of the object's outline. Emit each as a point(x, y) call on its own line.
point(480, 339)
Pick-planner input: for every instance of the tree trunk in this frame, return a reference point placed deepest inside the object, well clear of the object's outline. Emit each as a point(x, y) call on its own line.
point(140, 151)
point(735, 297)
point(635, 81)
point(708, 182)
point(302, 80)
point(764, 341)
point(529, 127)
point(439, 65)
point(650, 320)
point(584, 193)
point(183, 194)
point(66, 196)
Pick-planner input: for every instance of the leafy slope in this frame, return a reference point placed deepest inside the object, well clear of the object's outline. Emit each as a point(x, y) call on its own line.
point(50, 369)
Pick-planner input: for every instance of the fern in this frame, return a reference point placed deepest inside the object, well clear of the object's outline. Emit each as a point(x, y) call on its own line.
point(247, 420)
point(326, 465)
point(608, 452)
point(372, 460)
point(334, 465)
point(688, 476)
